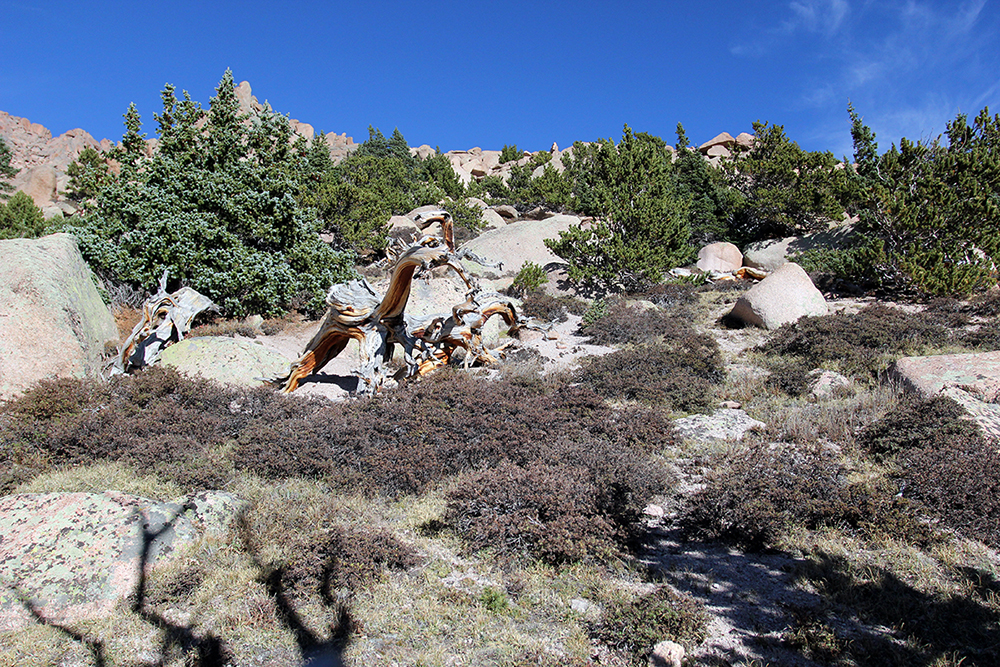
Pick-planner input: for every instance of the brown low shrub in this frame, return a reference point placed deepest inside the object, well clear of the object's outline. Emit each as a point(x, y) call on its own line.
point(547, 511)
point(757, 493)
point(341, 559)
point(678, 374)
point(618, 322)
point(548, 308)
point(858, 343)
point(942, 462)
point(935, 423)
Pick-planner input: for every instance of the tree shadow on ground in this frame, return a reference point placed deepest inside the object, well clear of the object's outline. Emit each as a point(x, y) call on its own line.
point(316, 651)
point(782, 610)
point(348, 383)
point(200, 650)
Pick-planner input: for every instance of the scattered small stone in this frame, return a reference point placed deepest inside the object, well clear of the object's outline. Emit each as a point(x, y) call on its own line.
point(653, 510)
point(667, 654)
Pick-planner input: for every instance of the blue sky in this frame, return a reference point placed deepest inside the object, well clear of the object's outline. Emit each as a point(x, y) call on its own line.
point(464, 74)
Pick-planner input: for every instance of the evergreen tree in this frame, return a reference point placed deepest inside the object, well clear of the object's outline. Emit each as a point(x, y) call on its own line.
point(930, 209)
point(6, 170)
point(709, 200)
point(217, 206)
point(642, 228)
point(88, 174)
point(380, 179)
point(782, 190)
point(20, 218)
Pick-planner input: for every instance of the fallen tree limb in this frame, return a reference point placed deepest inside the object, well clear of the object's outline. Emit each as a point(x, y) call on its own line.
point(166, 318)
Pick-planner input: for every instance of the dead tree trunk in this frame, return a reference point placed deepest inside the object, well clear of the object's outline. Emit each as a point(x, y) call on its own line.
point(380, 324)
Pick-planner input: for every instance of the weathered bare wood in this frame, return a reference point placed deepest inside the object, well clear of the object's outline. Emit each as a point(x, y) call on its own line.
point(379, 324)
point(166, 318)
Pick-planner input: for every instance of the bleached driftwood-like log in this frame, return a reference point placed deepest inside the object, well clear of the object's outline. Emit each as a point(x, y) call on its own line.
point(166, 318)
point(358, 313)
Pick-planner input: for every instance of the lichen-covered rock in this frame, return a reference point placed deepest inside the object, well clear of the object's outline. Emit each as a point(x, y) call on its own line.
point(971, 380)
point(52, 319)
point(74, 556)
point(226, 360)
point(825, 384)
point(782, 297)
point(724, 424)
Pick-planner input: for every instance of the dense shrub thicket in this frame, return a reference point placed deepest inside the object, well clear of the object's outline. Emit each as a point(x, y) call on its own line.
point(403, 442)
point(928, 210)
point(861, 344)
point(781, 190)
point(758, 492)
point(942, 462)
point(642, 229)
point(233, 206)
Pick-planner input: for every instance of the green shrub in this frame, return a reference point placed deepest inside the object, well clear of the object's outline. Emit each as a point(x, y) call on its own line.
point(928, 207)
point(356, 198)
point(642, 229)
point(6, 170)
point(710, 200)
point(636, 626)
point(20, 218)
point(529, 279)
point(468, 219)
point(88, 175)
point(217, 206)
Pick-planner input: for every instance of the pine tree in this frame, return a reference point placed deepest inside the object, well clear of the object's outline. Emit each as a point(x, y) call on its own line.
point(218, 207)
point(642, 227)
point(6, 170)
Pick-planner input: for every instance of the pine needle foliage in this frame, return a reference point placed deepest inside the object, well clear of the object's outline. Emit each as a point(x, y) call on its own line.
point(217, 205)
point(642, 228)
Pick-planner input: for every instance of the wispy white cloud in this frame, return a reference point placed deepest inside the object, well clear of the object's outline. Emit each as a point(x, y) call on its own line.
point(823, 16)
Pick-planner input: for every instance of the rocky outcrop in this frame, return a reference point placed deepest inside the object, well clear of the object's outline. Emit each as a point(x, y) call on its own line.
point(971, 380)
point(52, 319)
point(518, 243)
point(75, 556)
point(234, 361)
point(784, 296)
point(721, 256)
